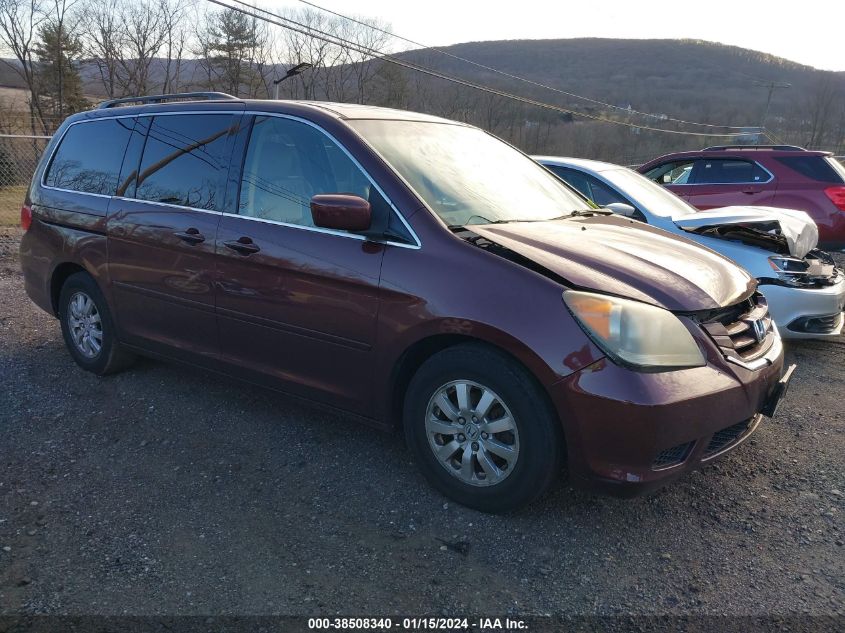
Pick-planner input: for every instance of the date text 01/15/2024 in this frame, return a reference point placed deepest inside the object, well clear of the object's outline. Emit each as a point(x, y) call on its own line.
point(417, 624)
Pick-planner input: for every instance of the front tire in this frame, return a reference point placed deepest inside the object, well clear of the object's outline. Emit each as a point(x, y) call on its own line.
point(481, 429)
point(87, 327)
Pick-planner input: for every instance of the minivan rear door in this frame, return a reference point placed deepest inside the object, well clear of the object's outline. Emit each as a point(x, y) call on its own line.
point(162, 227)
point(297, 304)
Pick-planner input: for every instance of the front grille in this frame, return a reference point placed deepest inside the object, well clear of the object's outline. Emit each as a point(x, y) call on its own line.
point(743, 331)
point(726, 438)
point(671, 456)
point(816, 325)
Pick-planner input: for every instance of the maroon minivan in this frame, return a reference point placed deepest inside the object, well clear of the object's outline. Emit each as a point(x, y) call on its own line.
point(406, 269)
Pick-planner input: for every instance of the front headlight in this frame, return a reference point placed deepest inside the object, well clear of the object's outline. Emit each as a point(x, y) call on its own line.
point(791, 270)
point(634, 333)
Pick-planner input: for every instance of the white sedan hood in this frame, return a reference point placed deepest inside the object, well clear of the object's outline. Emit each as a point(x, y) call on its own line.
point(795, 227)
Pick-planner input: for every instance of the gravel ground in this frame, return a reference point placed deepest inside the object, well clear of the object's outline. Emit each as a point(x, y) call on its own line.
point(164, 490)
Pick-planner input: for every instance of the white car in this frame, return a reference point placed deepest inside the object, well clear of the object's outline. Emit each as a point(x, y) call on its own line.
point(804, 288)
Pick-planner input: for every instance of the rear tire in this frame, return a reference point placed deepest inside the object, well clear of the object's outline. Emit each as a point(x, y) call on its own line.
point(505, 459)
point(88, 328)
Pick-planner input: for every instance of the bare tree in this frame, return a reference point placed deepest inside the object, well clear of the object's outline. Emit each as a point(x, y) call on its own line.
point(821, 110)
point(173, 23)
point(143, 37)
point(370, 38)
point(19, 23)
point(103, 42)
point(317, 52)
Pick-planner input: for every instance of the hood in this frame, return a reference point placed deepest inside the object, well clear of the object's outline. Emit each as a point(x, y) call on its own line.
point(620, 257)
point(780, 230)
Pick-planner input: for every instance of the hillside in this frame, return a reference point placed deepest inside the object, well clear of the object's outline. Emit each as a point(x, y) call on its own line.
point(696, 79)
point(681, 79)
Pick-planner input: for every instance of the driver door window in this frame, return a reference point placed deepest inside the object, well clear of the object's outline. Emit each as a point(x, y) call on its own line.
point(287, 163)
point(676, 176)
point(674, 173)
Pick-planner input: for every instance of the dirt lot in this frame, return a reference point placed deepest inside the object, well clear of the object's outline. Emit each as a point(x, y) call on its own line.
point(165, 490)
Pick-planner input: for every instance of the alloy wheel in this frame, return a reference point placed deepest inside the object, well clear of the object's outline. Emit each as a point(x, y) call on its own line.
point(86, 327)
point(472, 433)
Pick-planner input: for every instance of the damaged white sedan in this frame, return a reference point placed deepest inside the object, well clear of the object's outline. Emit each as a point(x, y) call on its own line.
point(804, 288)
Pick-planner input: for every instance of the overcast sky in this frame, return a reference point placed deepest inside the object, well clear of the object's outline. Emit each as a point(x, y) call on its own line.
point(810, 32)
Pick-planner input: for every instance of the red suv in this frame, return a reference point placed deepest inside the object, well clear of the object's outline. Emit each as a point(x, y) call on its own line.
point(760, 175)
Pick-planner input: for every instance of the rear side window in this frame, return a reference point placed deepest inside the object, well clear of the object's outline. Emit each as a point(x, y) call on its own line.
point(728, 172)
point(89, 156)
point(816, 168)
point(185, 161)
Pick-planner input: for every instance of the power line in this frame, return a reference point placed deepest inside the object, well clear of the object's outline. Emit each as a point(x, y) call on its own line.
point(517, 77)
point(343, 43)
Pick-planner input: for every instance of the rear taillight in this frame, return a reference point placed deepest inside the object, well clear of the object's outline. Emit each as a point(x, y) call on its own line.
point(837, 196)
point(26, 217)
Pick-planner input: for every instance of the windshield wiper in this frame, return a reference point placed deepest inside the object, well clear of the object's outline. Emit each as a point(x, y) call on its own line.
point(585, 213)
point(454, 227)
point(573, 214)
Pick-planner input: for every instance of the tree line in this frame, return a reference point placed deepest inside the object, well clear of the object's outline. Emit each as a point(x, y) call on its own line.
point(69, 53)
point(63, 50)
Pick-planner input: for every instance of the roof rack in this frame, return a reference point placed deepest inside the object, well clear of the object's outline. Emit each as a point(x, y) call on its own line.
point(177, 96)
point(782, 148)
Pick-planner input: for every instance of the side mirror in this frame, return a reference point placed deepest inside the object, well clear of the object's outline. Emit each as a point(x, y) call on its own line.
point(341, 212)
point(620, 208)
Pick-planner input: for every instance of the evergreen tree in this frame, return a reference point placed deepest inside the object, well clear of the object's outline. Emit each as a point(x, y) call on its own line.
point(231, 42)
point(57, 77)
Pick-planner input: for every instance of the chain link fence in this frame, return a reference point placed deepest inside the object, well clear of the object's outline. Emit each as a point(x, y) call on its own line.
point(19, 155)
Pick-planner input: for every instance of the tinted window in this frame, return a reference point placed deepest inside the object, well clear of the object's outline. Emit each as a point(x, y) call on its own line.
point(89, 156)
point(591, 187)
point(813, 167)
point(574, 179)
point(287, 162)
point(604, 195)
point(728, 171)
point(185, 161)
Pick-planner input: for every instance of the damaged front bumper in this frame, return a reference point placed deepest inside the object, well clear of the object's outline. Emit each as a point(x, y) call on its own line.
point(807, 312)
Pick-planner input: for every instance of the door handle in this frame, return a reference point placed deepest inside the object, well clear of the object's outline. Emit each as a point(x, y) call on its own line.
point(191, 236)
point(750, 190)
point(243, 245)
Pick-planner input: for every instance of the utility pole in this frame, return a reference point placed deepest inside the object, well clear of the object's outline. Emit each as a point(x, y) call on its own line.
point(772, 86)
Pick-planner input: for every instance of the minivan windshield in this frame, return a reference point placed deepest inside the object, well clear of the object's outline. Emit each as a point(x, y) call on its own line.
point(467, 176)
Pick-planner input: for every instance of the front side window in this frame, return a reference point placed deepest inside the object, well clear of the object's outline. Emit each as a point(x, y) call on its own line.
point(185, 161)
point(573, 178)
point(729, 171)
point(672, 173)
point(89, 156)
point(591, 188)
point(467, 176)
point(603, 195)
point(649, 196)
point(287, 163)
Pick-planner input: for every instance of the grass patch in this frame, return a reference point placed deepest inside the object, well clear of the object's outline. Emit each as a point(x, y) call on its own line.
point(11, 199)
